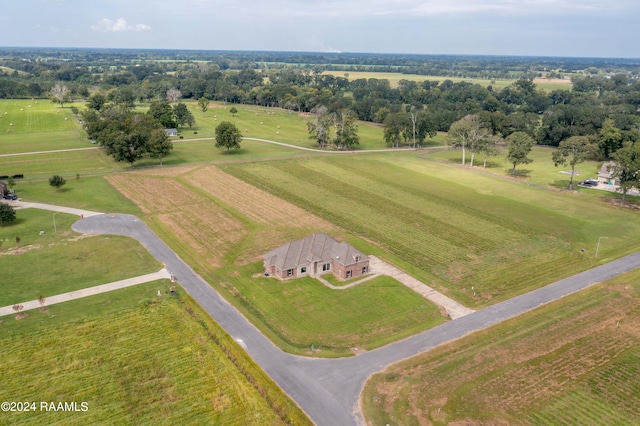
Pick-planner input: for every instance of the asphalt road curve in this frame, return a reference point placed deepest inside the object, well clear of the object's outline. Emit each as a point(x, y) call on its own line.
point(328, 390)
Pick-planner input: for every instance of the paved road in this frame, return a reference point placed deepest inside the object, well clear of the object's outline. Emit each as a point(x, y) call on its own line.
point(328, 390)
point(89, 291)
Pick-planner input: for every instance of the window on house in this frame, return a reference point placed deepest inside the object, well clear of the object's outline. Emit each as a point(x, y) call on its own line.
point(326, 267)
point(357, 258)
point(289, 272)
point(364, 269)
point(303, 270)
point(348, 274)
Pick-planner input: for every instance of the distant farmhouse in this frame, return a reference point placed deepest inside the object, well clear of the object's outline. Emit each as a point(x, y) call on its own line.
point(171, 132)
point(606, 172)
point(314, 255)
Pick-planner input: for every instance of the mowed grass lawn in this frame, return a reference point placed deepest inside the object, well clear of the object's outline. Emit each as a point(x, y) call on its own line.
point(306, 317)
point(92, 193)
point(135, 358)
point(478, 238)
point(574, 361)
point(62, 261)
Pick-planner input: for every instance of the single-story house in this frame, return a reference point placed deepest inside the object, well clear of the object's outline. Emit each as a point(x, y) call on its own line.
point(316, 254)
point(606, 172)
point(171, 132)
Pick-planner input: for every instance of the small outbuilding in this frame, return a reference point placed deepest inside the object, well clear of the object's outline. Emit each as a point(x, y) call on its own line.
point(171, 132)
point(605, 175)
point(314, 255)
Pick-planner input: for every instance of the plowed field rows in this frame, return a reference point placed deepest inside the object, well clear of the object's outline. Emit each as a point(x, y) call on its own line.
point(445, 229)
point(197, 222)
point(260, 206)
point(155, 194)
point(576, 361)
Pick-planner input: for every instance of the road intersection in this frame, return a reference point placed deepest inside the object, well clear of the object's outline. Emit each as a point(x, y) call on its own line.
point(328, 390)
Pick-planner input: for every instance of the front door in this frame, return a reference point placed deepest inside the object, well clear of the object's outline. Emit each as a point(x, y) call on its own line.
point(315, 268)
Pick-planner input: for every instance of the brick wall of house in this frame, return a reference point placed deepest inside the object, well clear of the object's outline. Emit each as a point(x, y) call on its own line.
point(340, 271)
point(283, 274)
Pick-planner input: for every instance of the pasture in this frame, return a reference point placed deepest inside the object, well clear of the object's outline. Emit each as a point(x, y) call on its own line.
point(36, 116)
point(222, 225)
point(477, 238)
point(574, 361)
point(136, 359)
point(51, 132)
point(395, 77)
point(262, 122)
point(541, 172)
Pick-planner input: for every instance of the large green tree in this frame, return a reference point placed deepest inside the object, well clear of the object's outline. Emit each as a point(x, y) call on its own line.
point(163, 112)
point(609, 138)
point(159, 145)
point(573, 151)
point(346, 128)
point(228, 136)
point(519, 146)
point(203, 103)
point(396, 128)
point(626, 169)
point(183, 115)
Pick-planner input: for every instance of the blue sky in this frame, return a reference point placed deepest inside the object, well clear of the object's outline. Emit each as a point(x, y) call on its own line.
point(591, 28)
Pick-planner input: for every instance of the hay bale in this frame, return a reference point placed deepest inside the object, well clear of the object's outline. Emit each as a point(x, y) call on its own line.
point(261, 123)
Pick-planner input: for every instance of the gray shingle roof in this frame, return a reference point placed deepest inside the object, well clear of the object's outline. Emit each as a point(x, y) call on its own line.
point(314, 248)
point(606, 169)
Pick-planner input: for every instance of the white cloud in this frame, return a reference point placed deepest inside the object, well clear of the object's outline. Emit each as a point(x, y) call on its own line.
point(120, 24)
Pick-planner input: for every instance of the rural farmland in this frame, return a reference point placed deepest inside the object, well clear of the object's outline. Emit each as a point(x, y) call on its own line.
point(540, 333)
point(575, 361)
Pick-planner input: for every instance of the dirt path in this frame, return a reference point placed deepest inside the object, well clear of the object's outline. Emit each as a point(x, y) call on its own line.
point(91, 291)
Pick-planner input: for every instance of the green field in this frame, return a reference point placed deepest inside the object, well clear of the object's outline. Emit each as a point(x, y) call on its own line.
point(135, 359)
point(475, 237)
point(304, 316)
point(293, 125)
point(166, 360)
point(395, 77)
point(49, 134)
point(574, 361)
point(541, 172)
point(62, 261)
point(35, 116)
